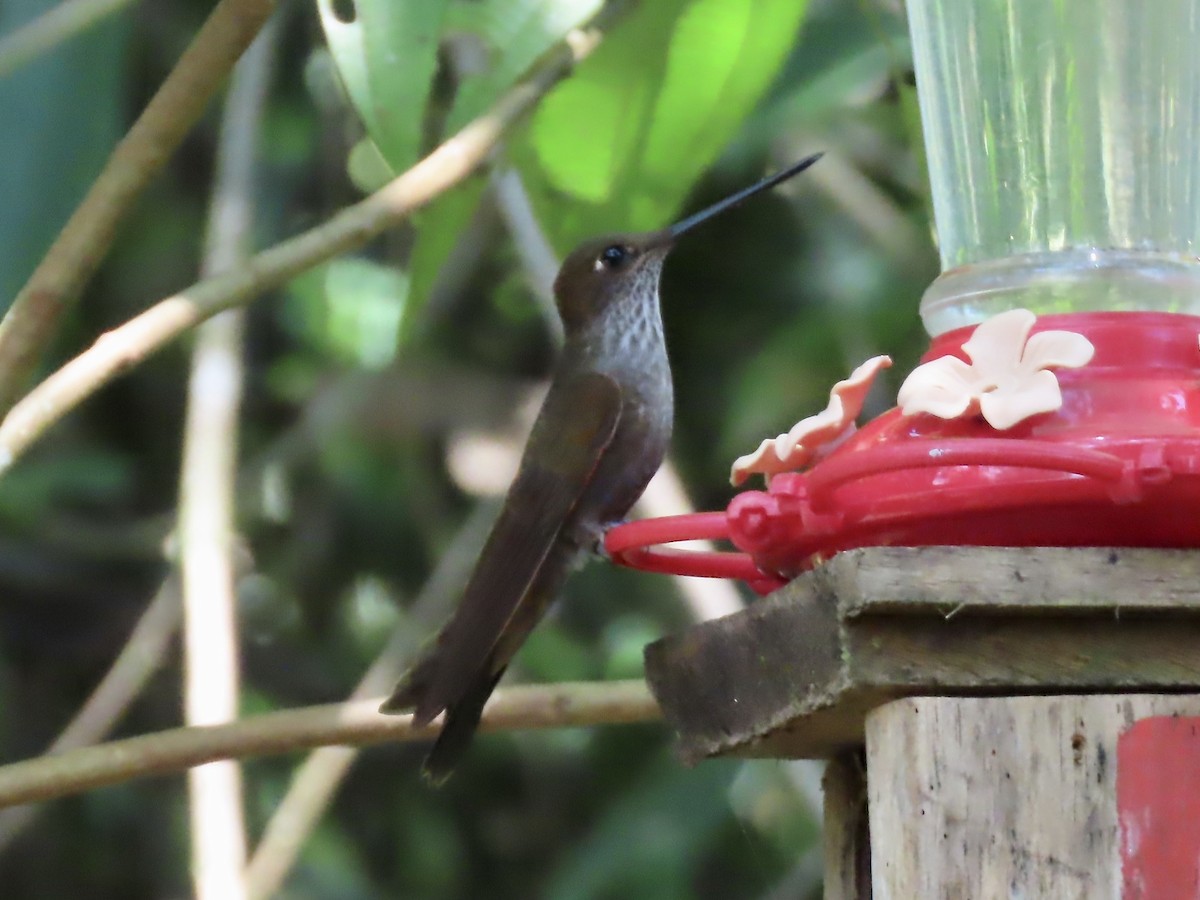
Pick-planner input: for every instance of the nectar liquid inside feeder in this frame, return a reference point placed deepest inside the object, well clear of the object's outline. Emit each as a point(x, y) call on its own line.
point(1064, 229)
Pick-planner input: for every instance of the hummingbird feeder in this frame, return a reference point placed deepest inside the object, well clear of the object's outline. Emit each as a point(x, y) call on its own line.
point(1059, 402)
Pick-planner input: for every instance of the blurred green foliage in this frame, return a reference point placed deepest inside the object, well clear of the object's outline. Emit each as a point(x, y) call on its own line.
point(378, 382)
point(67, 105)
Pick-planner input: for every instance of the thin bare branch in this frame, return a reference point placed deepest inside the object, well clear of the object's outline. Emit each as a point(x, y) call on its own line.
point(139, 659)
point(537, 256)
point(309, 794)
point(316, 781)
point(878, 215)
point(132, 342)
point(51, 28)
point(33, 318)
point(207, 498)
point(356, 724)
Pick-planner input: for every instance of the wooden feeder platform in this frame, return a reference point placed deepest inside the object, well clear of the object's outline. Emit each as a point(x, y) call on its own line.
point(794, 675)
point(1000, 721)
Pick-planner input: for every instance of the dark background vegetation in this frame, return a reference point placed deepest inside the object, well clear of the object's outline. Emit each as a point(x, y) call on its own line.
point(347, 505)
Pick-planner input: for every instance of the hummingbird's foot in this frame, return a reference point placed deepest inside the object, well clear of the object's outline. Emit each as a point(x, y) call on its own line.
point(595, 539)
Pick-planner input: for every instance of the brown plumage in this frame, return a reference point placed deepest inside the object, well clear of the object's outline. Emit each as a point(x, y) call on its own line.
point(601, 434)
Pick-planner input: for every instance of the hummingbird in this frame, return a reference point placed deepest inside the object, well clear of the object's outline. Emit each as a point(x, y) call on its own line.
point(600, 435)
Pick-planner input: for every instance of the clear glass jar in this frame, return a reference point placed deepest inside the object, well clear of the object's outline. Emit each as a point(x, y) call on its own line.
point(1063, 139)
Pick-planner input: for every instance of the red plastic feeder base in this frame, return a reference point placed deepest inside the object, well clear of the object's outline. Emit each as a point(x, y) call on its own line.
point(1117, 465)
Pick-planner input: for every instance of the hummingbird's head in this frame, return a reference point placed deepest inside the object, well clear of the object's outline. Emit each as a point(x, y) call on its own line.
point(623, 270)
point(609, 270)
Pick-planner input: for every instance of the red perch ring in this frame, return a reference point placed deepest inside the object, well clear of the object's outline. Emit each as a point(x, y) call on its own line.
point(1117, 465)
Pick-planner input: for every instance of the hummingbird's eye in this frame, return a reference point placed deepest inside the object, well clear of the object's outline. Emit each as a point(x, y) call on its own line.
point(613, 256)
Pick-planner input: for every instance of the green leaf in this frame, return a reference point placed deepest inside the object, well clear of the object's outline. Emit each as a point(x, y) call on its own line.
point(386, 52)
point(609, 100)
point(63, 114)
point(367, 168)
point(438, 229)
point(515, 34)
point(351, 310)
point(649, 111)
point(723, 58)
point(851, 50)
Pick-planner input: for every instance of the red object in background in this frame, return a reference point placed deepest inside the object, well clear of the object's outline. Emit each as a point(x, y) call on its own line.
point(1117, 465)
point(1158, 807)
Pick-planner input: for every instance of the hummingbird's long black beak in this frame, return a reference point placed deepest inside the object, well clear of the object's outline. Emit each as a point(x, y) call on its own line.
point(673, 232)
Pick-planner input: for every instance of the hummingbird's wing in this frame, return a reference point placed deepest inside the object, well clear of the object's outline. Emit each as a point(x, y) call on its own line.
point(576, 424)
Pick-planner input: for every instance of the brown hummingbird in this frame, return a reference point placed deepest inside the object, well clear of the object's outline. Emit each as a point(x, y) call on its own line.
point(601, 434)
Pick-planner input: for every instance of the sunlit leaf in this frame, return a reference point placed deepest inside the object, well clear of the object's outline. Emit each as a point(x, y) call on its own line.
point(387, 54)
point(587, 133)
point(628, 135)
point(514, 34)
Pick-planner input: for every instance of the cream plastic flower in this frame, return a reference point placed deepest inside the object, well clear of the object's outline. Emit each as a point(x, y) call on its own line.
point(1007, 379)
point(809, 437)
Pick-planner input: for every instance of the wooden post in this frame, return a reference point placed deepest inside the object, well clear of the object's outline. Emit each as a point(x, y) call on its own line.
point(847, 835)
point(1018, 797)
point(1031, 717)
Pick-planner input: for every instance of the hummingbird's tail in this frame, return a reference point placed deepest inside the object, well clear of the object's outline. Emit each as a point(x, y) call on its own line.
point(461, 721)
point(451, 675)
